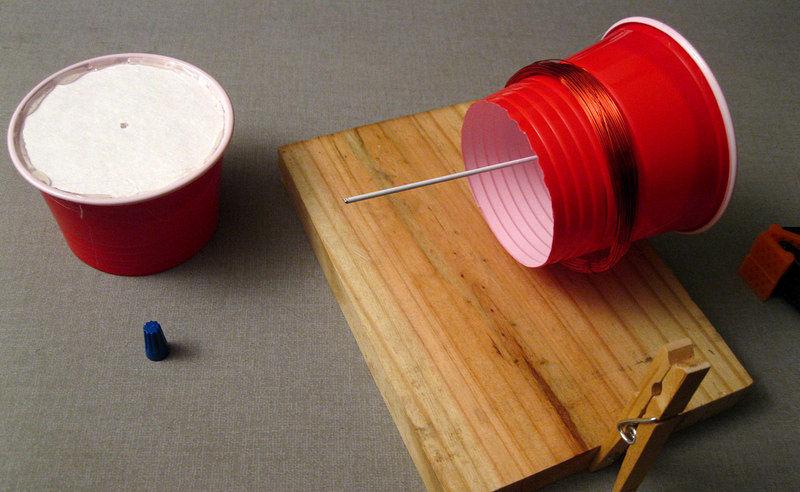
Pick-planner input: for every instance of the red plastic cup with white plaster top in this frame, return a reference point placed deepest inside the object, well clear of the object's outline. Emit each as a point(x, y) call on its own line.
point(146, 232)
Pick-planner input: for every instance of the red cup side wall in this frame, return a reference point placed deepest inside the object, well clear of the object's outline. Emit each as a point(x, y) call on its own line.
point(675, 122)
point(572, 161)
point(145, 237)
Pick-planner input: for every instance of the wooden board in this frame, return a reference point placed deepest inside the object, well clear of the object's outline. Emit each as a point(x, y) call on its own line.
point(495, 374)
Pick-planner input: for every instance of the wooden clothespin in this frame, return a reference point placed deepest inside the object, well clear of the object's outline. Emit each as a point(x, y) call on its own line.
point(674, 375)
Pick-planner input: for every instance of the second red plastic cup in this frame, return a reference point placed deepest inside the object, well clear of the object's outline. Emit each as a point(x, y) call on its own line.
point(563, 207)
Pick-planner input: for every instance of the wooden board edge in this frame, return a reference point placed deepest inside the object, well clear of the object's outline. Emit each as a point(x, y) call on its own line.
point(382, 380)
point(553, 474)
point(712, 408)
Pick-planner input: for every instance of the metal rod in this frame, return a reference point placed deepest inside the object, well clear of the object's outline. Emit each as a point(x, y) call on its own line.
point(462, 174)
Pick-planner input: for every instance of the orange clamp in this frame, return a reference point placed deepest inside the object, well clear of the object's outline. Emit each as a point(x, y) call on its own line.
point(768, 261)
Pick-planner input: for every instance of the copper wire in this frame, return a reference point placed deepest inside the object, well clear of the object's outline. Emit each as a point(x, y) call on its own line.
point(612, 130)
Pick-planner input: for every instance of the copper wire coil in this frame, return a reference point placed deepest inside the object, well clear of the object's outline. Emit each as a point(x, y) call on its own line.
point(612, 131)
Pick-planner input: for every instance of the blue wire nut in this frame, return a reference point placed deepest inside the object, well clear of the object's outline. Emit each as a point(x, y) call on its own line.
point(155, 344)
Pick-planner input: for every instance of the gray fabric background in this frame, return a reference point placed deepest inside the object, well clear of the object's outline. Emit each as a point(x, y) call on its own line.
point(267, 389)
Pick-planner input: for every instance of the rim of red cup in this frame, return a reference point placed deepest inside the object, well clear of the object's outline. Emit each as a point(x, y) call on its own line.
point(718, 95)
point(41, 90)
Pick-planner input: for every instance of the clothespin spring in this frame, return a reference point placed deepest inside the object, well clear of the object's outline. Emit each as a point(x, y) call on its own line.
point(627, 428)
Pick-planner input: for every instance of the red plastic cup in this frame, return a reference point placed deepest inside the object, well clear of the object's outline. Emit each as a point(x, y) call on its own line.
point(142, 233)
point(563, 206)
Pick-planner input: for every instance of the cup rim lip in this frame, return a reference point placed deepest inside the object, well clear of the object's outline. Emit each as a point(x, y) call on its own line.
point(718, 96)
point(85, 66)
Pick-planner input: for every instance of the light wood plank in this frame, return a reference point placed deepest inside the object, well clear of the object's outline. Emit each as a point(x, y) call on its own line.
point(494, 373)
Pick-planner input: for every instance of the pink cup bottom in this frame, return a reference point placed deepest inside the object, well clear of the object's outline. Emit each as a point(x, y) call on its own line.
point(514, 201)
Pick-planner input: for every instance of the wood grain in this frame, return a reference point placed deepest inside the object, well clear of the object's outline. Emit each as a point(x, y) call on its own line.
point(495, 374)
